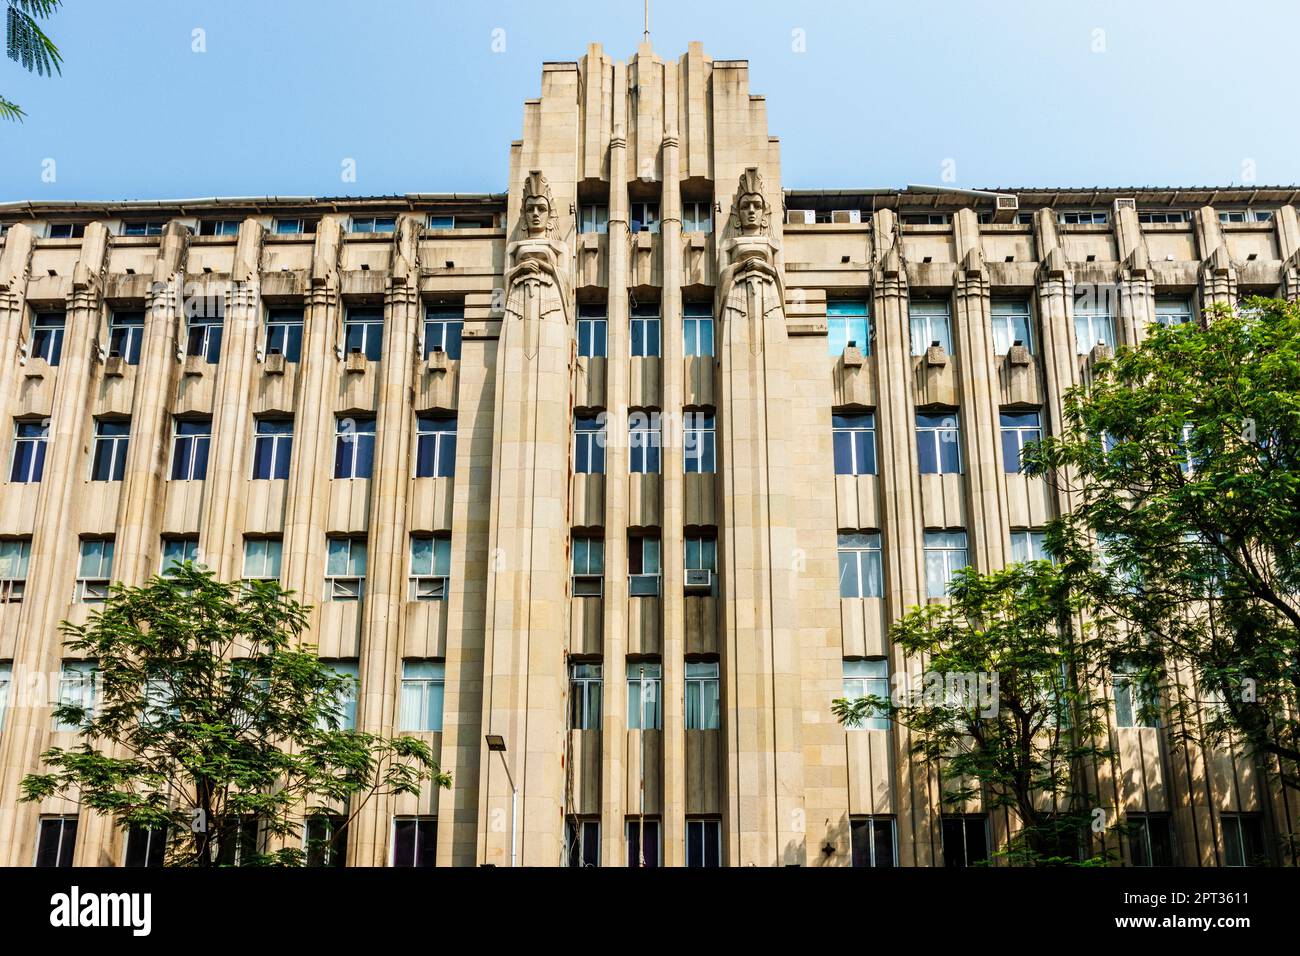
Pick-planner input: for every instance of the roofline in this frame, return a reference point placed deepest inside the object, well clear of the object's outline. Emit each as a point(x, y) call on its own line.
point(257, 203)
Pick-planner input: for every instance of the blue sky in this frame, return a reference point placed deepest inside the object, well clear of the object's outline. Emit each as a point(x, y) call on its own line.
point(1009, 93)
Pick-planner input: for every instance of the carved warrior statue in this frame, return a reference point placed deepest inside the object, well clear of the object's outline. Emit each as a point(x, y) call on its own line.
point(749, 275)
point(537, 277)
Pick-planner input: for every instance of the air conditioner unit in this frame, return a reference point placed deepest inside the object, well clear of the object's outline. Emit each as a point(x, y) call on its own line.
point(846, 215)
point(699, 579)
point(1125, 203)
point(801, 217)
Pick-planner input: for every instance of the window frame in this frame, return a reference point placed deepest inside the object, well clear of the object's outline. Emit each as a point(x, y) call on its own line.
point(645, 679)
point(583, 575)
point(126, 334)
point(93, 589)
point(699, 442)
point(435, 584)
point(288, 326)
point(190, 450)
point(1004, 322)
point(925, 312)
point(422, 696)
point(931, 427)
point(947, 551)
point(589, 443)
point(366, 319)
point(281, 447)
point(449, 323)
point(47, 331)
point(703, 695)
point(846, 426)
point(871, 854)
point(13, 585)
point(360, 456)
point(118, 446)
point(696, 318)
point(861, 550)
point(350, 585)
point(435, 446)
point(586, 694)
point(706, 833)
point(34, 459)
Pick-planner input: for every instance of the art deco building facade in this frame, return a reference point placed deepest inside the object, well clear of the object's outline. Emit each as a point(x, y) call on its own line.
point(631, 465)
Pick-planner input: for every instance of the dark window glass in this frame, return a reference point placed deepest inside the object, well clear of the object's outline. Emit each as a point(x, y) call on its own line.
point(635, 829)
point(414, 841)
point(30, 439)
point(146, 846)
point(965, 841)
point(125, 335)
point(57, 840)
point(284, 333)
point(47, 336)
point(435, 451)
point(327, 841)
point(272, 448)
point(442, 330)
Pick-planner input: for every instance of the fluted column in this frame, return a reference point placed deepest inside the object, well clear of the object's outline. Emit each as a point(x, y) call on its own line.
point(221, 515)
point(614, 734)
point(915, 787)
point(386, 537)
point(1137, 296)
point(39, 652)
point(986, 491)
point(1218, 271)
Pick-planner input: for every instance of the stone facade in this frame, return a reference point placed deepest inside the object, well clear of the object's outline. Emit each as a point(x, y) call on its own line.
point(649, 188)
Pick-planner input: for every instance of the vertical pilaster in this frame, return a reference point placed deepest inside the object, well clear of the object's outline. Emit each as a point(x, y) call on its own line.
point(1137, 302)
point(1218, 271)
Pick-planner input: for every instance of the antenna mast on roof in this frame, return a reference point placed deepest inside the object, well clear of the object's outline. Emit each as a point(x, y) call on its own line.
point(646, 35)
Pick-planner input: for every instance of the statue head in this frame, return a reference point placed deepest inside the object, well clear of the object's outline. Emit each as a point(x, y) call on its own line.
point(538, 210)
point(749, 212)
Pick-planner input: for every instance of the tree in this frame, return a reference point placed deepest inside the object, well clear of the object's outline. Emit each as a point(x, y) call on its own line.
point(27, 44)
point(1184, 454)
point(1001, 712)
point(209, 714)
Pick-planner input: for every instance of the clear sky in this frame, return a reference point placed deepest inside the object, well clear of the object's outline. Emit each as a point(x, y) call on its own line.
point(1010, 93)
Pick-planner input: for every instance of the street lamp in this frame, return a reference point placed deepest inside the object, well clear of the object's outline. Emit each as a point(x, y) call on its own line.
point(497, 744)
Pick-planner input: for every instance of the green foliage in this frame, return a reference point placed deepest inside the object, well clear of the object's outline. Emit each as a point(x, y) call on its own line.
point(1194, 494)
point(209, 712)
point(27, 44)
point(1000, 711)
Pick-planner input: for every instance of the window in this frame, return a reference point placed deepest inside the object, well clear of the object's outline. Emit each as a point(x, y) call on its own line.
point(704, 843)
point(66, 230)
point(1150, 841)
point(219, 227)
point(860, 568)
point(583, 841)
point(868, 678)
point(588, 566)
point(345, 568)
point(345, 705)
point(644, 686)
point(125, 335)
point(415, 841)
point(593, 217)
point(645, 329)
point(369, 224)
point(354, 447)
point(938, 443)
point(965, 840)
point(1018, 428)
point(945, 555)
point(699, 436)
point(430, 567)
point(589, 444)
point(294, 227)
point(438, 221)
point(1029, 546)
point(55, 841)
point(645, 217)
point(262, 559)
point(1136, 701)
point(872, 841)
point(94, 570)
point(284, 333)
point(702, 696)
point(422, 691)
point(642, 842)
point(1011, 325)
point(6, 677)
point(146, 846)
point(643, 566)
point(702, 555)
point(363, 333)
point(111, 440)
point(643, 443)
point(30, 441)
point(854, 436)
point(1082, 217)
point(1150, 216)
point(1093, 325)
point(205, 335)
point(190, 449)
point(176, 551)
point(1173, 310)
point(150, 228)
point(697, 328)
point(585, 681)
point(47, 336)
point(238, 841)
point(848, 320)
point(697, 217)
point(325, 840)
point(272, 448)
point(591, 331)
point(926, 218)
point(443, 326)
point(435, 446)
point(931, 325)
point(1246, 215)
point(1243, 839)
point(14, 555)
point(76, 689)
